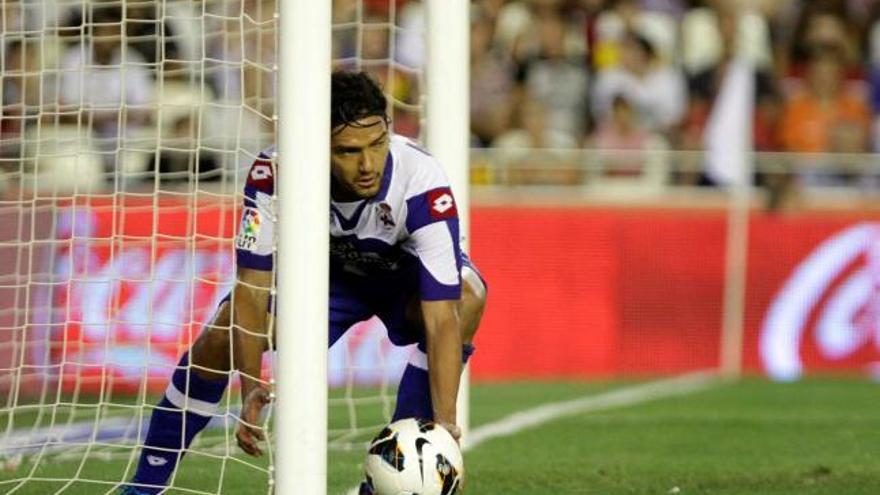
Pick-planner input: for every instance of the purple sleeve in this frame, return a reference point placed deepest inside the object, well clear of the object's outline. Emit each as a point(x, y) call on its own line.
point(432, 221)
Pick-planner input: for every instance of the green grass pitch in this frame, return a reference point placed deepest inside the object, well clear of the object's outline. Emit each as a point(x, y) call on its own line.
point(820, 436)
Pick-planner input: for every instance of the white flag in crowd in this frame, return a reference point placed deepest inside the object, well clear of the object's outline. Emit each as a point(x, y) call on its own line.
point(728, 135)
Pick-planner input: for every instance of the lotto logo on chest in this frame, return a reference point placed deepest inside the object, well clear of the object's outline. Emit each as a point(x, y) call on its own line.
point(442, 204)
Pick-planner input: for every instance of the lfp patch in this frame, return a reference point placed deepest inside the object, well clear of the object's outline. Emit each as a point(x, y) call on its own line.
point(249, 231)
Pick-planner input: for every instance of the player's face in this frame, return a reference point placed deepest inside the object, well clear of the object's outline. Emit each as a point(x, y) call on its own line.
point(357, 158)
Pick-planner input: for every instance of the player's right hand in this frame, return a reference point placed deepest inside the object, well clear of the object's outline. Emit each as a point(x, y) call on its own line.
point(453, 430)
point(249, 432)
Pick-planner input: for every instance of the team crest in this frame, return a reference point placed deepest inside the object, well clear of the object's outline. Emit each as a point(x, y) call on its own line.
point(383, 213)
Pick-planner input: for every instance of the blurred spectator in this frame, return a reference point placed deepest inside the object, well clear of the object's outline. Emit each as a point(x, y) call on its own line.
point(825, 116)
point(21, 92)
point(28, 86)
point(12, 17)
point(105, 80)
point(399, 83)
point(535, 152)
point(704, 43)
point(490, 9)
point(641, 78)
point(872, 44)
point(517, 28)
point(627, 16)
point(544, 14)
point(531, 130)
point(345, 29)
point(491, 81)
point(180, 158)
point(20, 16)
point(144, 24)
point(628, 154)
point(183, 17)
point(409, 40)
point(823, 23)
point(242, 53)
point(385, 49)
point(513, 21)
point(674, 8)
point(703, 87)
point(556, 80)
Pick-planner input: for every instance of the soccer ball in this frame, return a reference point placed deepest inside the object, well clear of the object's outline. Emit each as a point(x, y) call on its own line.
point(414, 456)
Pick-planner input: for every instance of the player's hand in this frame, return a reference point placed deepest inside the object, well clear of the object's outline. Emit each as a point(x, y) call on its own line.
point(249, 432)
point(453, 430)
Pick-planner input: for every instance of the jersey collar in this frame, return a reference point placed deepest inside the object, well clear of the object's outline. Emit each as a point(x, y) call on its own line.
point(351, 223)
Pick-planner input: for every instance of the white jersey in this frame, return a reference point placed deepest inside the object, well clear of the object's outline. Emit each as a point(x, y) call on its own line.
point(409, 229)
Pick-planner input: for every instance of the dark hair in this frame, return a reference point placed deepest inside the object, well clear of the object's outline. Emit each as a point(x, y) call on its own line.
point(355, 96)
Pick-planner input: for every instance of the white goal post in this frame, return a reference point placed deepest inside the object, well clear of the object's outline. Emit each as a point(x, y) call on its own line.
point(302, 277)
point(301, 420)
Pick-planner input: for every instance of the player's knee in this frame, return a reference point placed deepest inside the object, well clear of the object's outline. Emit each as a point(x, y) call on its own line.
point(210, 353)
point(212, 349)
point(213, 342)
point(473, 302)
point(218, 340)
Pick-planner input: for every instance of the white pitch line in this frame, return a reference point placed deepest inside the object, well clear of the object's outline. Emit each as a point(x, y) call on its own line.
point(628, 396)
point(637, 394)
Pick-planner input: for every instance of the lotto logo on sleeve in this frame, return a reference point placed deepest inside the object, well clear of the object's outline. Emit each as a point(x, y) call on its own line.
point(261, 175)
point(442, 204)
point(261, 172)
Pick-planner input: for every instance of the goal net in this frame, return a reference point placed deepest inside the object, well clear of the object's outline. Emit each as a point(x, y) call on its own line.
point(126, 131)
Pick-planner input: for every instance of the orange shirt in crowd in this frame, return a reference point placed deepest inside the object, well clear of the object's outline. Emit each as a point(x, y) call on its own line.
point(808, 125)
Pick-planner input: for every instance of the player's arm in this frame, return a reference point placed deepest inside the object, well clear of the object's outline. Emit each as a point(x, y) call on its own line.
point(254, 250)
point(250, 301)
point(433, 222)
point(250, 339)
point(443, 339)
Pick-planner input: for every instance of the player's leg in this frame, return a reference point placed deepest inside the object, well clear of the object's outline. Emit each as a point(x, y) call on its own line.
point(187, 406)
point(414, 392)
point(349, 304)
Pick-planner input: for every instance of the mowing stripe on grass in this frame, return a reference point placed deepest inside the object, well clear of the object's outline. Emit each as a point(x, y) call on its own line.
point(627, 396)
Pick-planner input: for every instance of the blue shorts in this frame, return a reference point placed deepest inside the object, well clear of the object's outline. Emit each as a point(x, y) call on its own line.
point(355, 298)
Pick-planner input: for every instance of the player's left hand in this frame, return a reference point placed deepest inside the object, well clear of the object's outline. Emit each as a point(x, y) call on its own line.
point(249, 432)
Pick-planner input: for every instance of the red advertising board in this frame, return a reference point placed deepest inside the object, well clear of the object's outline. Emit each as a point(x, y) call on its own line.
point(591, 293)
point(135, 280)
point(577, 293)
point(573, 292)
point(813, 296)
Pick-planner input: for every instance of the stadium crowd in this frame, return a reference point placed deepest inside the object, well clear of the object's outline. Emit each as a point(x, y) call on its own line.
point(644, 74)
point(626, 75)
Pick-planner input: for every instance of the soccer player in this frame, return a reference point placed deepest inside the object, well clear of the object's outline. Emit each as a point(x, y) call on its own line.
point(394, 253)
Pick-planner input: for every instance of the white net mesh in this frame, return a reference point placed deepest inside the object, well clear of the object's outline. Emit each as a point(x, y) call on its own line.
point(384, 38)
point(126, 130)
